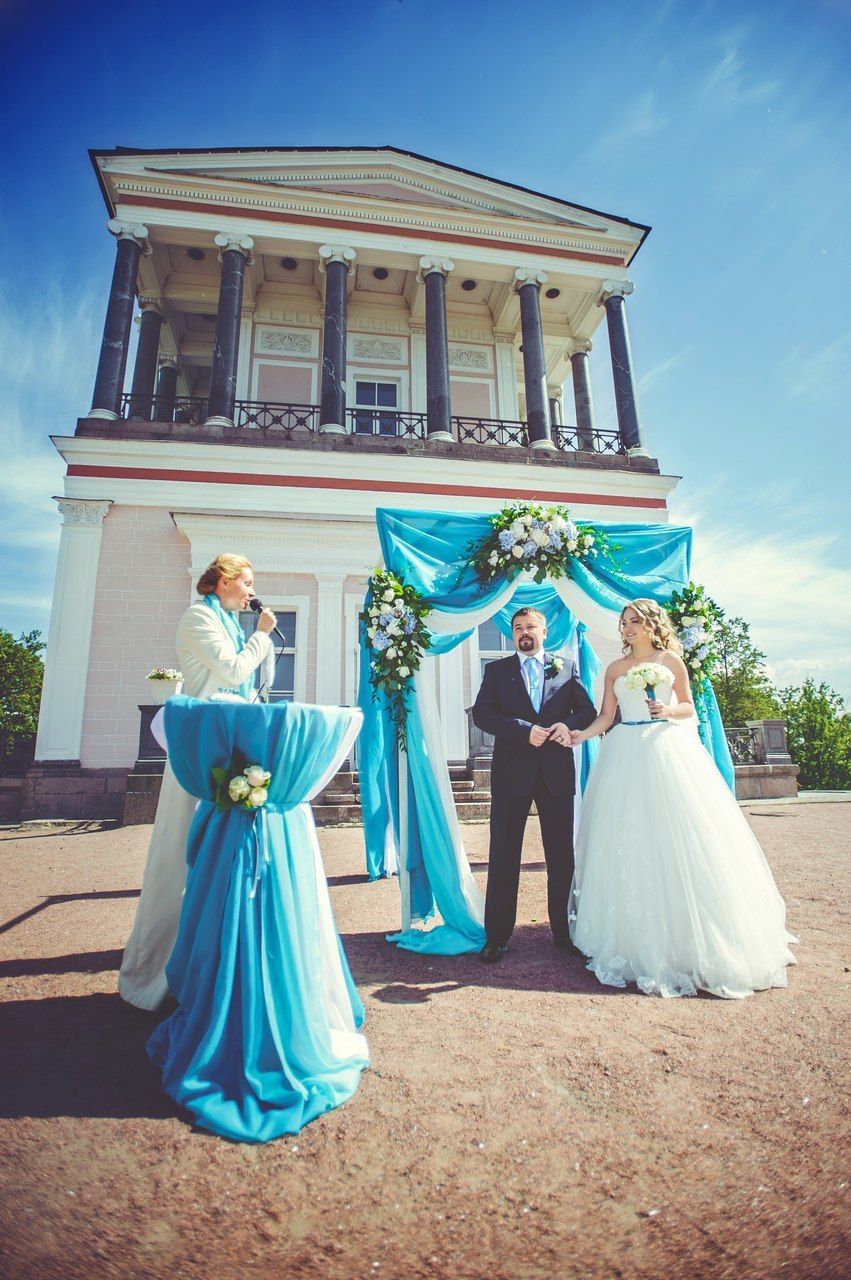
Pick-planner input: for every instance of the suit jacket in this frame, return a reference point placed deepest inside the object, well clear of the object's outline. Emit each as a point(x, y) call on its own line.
point(208, 657)
point(503, 708)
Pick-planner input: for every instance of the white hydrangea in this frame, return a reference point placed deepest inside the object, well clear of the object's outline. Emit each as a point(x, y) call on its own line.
point(539, 536)
point(389, 595)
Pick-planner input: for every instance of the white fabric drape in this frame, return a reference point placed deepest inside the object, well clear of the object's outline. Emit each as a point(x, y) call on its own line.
point(596, 618)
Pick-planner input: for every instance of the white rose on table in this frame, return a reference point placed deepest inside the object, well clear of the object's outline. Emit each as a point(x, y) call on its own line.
point(238, 788)
point(517, 551)
point(257, 776)
point(257, 796)
point(389, 595)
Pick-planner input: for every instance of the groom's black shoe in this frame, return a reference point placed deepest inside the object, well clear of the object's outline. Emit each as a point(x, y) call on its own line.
point(491, 952)
point(565, 944)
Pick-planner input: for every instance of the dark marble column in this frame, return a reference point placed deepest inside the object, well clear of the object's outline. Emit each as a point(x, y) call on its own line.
point(145, 369)
point(554, 395)
point(433, 273)
point(166, 390)
point(578, 351)
point(234, 254)
point(629, 424)
point(109, 380)
point(527, 284)
point(335, 262)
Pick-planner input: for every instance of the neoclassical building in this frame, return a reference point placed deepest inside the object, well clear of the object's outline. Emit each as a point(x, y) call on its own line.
point(320, 332)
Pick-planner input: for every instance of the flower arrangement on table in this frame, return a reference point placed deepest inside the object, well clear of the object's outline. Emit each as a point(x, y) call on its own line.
point(695, 617)
point(528, 537)
point(648, 676)
point(164, 673)
point(241, 785)
point(394, 619)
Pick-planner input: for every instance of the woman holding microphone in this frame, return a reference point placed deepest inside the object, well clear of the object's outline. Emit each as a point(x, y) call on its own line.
point(214, 657)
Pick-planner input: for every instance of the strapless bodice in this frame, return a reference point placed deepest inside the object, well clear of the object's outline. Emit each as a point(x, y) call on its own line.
point(633, 702)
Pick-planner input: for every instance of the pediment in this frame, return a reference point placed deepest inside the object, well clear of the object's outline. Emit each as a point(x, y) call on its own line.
point(382, 175)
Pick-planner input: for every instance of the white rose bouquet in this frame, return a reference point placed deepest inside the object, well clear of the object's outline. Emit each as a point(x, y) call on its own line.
point(241, 785)
point(648, 675)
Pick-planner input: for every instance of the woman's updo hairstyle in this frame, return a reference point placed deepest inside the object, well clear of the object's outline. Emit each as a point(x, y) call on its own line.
point(225, 566)
point(658, 625)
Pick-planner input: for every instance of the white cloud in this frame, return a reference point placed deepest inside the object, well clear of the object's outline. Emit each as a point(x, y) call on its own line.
point(659, 371)
point(637, 122)
point(794, 591)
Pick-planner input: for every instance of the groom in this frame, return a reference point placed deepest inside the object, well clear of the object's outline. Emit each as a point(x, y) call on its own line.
point(530, 702)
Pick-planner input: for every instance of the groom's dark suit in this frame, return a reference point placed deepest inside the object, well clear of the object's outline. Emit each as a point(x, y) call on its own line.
point(521, 773)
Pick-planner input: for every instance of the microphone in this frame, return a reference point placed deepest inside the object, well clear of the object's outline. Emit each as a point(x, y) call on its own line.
point(257, 606)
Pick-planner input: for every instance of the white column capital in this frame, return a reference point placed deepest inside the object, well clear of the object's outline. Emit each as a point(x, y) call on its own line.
point(507, 337)
point(577, 346)
point(248, 309)
point(330, 583)
point(417, 327)
point(554, 393)
point(167, 362)
point(428, 265)
point(524, 276)
point(615, 289)
point(337, 253)
point(130, 231)
point(83, 511)
point(151, 302)
point(227, 240)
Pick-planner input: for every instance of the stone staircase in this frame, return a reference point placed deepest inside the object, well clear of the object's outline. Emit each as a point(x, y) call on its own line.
point(339, 804)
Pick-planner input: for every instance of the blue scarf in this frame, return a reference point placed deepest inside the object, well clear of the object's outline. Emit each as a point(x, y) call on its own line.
point(231, 624)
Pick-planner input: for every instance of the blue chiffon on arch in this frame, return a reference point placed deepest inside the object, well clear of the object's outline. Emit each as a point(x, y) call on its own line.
point(265, 1037)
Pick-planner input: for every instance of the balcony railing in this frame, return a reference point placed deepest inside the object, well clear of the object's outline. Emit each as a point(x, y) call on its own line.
point(290, 419)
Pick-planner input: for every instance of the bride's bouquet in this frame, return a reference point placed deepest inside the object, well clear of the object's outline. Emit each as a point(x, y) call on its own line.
point(648, 676)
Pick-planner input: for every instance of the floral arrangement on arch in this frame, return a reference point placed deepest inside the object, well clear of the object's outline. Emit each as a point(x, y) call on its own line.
point(695, 617)
point(528, 537)
point(394, 619)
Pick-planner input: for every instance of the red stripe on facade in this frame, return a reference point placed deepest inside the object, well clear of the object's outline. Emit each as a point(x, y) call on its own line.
point(346, 224)
point(367, 486)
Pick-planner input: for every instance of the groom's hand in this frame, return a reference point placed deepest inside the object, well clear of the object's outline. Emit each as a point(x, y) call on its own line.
point(561, 734)
point(538, 736)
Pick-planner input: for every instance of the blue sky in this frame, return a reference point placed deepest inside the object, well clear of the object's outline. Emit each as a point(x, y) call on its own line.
point(725, 126)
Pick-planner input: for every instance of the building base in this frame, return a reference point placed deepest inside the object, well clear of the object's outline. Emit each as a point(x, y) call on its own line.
point(64, 789)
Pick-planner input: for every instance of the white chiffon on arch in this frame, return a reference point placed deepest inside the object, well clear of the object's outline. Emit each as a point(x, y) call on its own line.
point(672, 890)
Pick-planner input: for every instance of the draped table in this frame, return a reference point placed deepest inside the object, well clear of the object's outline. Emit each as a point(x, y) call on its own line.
point(265, 1037)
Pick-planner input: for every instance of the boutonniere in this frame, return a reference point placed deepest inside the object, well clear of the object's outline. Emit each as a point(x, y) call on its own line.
point(554, 666)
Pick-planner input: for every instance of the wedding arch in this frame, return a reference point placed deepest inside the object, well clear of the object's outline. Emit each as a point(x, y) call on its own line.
point(409, 817)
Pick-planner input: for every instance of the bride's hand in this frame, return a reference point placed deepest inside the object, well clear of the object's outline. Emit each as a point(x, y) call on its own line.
point(658, 710)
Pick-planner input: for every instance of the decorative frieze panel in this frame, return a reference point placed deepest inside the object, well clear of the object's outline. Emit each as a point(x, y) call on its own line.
point(271, 340)
point(472, 359)
point(375, 350)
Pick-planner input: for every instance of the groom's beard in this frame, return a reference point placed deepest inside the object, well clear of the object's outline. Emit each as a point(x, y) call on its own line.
point(527, 644)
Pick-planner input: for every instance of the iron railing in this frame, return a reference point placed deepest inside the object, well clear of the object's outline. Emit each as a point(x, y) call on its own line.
point(746, 745)
point(577, 440)
point(490, 431)
point(386, 422)
point(266, 415)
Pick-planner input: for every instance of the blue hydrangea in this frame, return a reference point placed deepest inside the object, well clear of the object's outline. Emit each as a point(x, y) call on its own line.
point(571, 533)
point(689, 637)
point(554, 543)
point(703, 651)
point(409, 624)
point(380, 641)
point(506, 540)
point(529, 549)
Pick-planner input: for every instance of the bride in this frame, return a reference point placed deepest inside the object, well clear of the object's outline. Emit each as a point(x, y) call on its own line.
point(671, 889)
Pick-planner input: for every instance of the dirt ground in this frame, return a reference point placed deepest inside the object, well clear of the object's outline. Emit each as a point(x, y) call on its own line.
point(519, 1120)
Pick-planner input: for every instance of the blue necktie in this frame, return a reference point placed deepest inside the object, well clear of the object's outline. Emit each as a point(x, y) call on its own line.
point(533, 673)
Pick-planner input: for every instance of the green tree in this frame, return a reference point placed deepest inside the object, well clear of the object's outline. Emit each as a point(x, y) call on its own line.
point(21, 674)
point(818, 731)
point(741, 685)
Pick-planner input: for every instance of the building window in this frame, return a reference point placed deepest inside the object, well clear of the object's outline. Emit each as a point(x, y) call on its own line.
point(492, 644)
point(370, 399)
point(283, 684)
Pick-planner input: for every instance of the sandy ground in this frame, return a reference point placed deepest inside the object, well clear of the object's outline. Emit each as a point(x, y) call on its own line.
point(519, 1120)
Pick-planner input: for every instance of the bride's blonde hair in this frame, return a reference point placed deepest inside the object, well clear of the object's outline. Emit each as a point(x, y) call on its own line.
point(658, 625)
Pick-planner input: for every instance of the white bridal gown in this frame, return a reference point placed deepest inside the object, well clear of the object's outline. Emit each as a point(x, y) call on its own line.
point(672, 890)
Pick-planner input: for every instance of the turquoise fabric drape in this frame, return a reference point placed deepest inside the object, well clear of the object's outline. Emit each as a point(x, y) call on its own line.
point(427, 549)
point(264, 1038)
